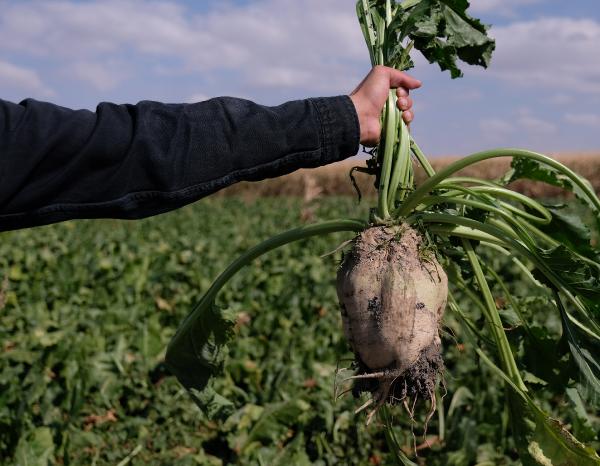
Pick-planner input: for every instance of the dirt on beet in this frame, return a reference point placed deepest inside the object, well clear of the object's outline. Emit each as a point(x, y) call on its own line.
point(393, 293)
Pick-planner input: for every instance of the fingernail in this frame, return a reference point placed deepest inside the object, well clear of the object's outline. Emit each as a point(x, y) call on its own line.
point(403, 102)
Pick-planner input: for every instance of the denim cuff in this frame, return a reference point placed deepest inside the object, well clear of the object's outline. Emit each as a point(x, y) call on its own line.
point(340, 131)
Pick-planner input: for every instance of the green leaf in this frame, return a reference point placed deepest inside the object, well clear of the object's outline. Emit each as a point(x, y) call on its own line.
point(461, 397)
point(273, 423)
point(552, 444)
point(582, 280)
point(570, 230)
point(579, 276)
point(585, 348)
point(36, 449)
point(443, 32)
point(530, 378)
point(211, 403)
point(293, 453)
point(527, 168)
point(199, 355)
point(582, 424)
point(392, 441)
point(540, 439)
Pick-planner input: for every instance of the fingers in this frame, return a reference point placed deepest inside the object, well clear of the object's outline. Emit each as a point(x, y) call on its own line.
point(399, 78)
point(404, 103)
point(402, 92)
point(403, 83)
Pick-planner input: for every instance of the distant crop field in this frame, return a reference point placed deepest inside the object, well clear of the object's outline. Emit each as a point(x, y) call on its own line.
point(87, 309)
point(334, 179)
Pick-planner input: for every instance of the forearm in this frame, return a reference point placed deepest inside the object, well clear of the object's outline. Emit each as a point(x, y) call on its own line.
point(132, 161)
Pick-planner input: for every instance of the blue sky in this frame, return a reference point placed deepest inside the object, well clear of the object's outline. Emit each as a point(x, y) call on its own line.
point(542, 91)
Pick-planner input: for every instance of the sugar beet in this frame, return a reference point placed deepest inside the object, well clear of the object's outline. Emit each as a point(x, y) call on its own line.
point(393, 293)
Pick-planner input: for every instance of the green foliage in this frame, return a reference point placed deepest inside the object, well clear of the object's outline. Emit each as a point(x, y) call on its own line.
point(577, 275)
point(569, 230)
point(200, 355)
point(91, 306)
point(567, 271)
point(529, 169)
point(446, 209)
point(195, 353)
point(545, 440)
point(441, 30)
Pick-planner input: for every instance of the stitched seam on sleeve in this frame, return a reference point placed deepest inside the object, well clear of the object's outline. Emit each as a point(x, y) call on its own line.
point(354, 116)
point(321, 117)
point(325, 123)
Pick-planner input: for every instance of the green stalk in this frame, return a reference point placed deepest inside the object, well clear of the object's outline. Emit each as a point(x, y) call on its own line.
point(441, 416)
point(470, 179)
point(380, 40)
point(492, 232)
point(392, 441)
point(553, 243)
point(466, 232)
point(497, 191)
point(406, 4)
point(400, 166)
point(406, 175)
point(410, 178)
point(388, 153)
point(499, 236)
point(493, 318)
point(246, 258)
point(486, 232)
point(506, 214)
point(413, 200)
point(388, 12)
point(516, 261)
point(366, 25)
point(421, 157)
point(504, 227)
point(509, 297)
point(473, 329)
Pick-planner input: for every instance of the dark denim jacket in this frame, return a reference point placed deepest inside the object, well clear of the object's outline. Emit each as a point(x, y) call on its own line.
point(133, 161)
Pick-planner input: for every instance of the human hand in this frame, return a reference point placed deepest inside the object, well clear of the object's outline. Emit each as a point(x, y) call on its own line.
point(371, 95)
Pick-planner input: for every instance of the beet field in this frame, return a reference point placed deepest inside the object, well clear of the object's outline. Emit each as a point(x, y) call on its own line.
point(87, 309)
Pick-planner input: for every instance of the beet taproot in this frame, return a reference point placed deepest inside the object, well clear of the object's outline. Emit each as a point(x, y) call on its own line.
point(393, 294)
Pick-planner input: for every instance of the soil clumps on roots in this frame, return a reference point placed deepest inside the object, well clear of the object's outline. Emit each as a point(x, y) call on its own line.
point(393, 293)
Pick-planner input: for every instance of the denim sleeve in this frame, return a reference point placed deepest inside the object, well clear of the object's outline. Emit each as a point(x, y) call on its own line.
point(134, 161)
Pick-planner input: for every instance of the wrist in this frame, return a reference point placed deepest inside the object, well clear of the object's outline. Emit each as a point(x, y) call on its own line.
point(369, 126)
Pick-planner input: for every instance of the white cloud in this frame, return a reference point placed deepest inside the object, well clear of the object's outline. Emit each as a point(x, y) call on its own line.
point(198, 97)
point(495, 129)
point(499, 7)
point(101, 76)
point(77, 29)
point(554, 53)
point(22, 79)
point(561, 99)
point(535, 125)
point(275, 43)
point(467, 95)
point(584, 119)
